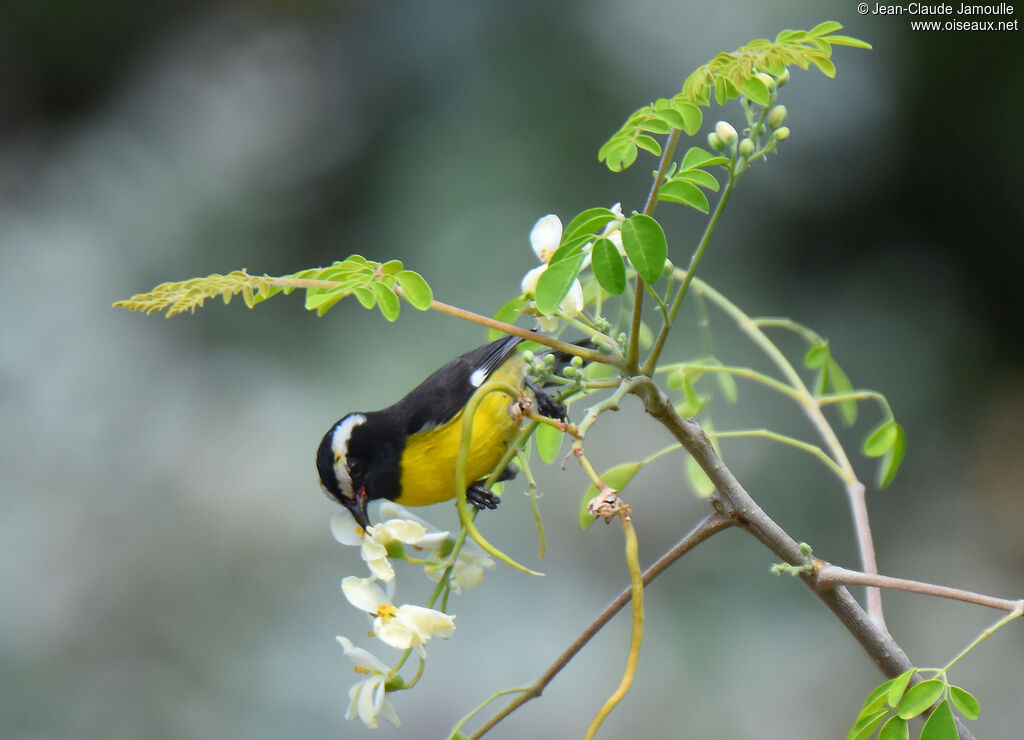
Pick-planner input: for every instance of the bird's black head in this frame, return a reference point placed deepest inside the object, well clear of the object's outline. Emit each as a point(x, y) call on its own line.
point(359, 459)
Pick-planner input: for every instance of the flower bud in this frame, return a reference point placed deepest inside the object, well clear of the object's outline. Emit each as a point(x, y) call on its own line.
point(576, 361)
point(783, 78)
point(777, 117)
point(715, 142)
point(726, 132)
point(782, 134)
point(746, 148)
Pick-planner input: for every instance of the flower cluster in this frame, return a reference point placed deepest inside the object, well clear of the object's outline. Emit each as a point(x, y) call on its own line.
point(405, 626)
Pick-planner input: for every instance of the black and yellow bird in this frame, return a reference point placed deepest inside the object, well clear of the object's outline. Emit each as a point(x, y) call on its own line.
point(407, 451)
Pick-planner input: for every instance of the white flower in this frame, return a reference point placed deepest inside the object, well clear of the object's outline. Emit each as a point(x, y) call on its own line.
point(345, 529)
point(403, 627)
point(545, 238)
point(374, 541)
point(467, 571)
point(367, 698)
point(469, 566)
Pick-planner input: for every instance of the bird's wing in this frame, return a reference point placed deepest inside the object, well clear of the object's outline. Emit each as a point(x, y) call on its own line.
point(443, 395)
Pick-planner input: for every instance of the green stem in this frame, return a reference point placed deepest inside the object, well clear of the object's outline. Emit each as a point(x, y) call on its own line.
point(709, 229)
point(633, 349)
point(1018, 611)
point(742, 372)
point(468, 414)
point(854, 488)
point(859, 395)
point(791, 441)
point(493, 697)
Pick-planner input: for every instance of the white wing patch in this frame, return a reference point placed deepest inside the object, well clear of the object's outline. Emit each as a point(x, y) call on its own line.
point(339, 445)
point(479, 376)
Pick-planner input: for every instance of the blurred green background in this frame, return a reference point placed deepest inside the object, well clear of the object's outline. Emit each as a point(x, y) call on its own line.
point(165, 560)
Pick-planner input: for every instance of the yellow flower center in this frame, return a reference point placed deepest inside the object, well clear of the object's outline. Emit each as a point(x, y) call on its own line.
point(386, 611)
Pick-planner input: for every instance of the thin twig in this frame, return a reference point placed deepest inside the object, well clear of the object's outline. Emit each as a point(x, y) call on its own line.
point(711, 524)
point(854, 488)
point(829, 576)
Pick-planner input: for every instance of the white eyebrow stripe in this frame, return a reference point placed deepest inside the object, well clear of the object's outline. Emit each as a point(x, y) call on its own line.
point(339, 445)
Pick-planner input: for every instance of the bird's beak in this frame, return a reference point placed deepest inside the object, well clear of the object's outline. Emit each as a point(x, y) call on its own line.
point(357, 505)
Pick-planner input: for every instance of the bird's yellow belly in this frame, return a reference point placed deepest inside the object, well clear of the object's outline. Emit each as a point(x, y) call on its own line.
point(428, 462)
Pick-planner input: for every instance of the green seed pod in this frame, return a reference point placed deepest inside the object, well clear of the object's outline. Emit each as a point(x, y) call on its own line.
point(746, 148)
point(782, 134)
point(777, 117)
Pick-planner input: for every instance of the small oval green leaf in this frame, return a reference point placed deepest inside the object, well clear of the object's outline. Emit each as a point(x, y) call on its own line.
point(920, 697)
point(609, 269)
point(387, 301)
point(965, 702)
point(648, 144)
point(682, 191)
point(881, 439)
point(898, 685)
point(756, 90)
point(697, 157)
point(620, 155)
point(645, 245)
point(866, 725)
point(941, 725)
point(895, 729)
point(699, 177)
point(587, 222)
point(549, 442)
point(365, 296)
point(702, 485)
point(841, 384)
point(817, 356)
point(415, 289)
point(692, 116)
point(891, 462)
point(876, 699)
point(555, 282)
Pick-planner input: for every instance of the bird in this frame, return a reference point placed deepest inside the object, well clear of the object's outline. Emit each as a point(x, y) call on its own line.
point(407, 452)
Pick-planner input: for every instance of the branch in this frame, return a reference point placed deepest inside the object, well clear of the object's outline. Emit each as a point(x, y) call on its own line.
point(711, 524)
point(733, 502)
point(829, 576)
point(588, 355)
